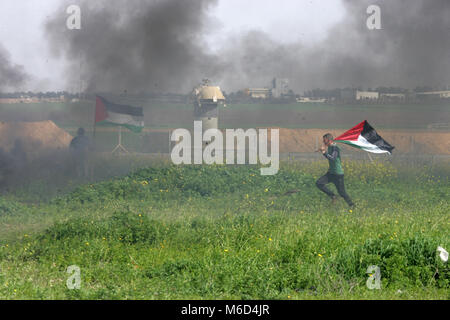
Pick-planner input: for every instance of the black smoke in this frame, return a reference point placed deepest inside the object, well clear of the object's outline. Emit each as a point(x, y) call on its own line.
point(150, 46)
point(159, 46)
point(11, 75)
point(411, 49)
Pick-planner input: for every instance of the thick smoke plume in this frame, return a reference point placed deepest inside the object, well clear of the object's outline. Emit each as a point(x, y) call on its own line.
point(151, 46)
point(412, 49)
point(158, 46)
point(11, 75)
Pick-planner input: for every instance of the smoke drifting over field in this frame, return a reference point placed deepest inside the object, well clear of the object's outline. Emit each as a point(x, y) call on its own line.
point(159, 46)
point(137, 45)
point(11, 75)
point(412, 49)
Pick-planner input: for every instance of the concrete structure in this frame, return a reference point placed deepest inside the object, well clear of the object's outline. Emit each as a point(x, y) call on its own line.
point(280, 87)
point(206, 101)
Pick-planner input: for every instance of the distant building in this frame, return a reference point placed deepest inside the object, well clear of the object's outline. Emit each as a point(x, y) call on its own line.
point(433, 95)
point(52, 100)
point(353, 94)
point(367, 95)
point(393, 97)
point(9, 100)
point(27, 99)
point(280, 87)
point(310, 100)
point(258, 93)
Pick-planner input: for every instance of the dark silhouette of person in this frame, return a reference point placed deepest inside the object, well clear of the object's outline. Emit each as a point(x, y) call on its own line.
point(19, 154)
point(80, 146)
point(6, 168)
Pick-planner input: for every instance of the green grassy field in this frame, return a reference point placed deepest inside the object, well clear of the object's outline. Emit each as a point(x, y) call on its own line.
point(225, 232)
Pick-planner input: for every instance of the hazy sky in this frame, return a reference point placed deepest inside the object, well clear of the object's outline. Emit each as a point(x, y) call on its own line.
point(22, 33)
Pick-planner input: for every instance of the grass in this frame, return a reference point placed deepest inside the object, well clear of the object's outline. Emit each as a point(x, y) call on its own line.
point(225, 232)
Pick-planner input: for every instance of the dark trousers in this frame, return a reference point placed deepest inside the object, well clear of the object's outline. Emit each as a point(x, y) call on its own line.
point(338, 181)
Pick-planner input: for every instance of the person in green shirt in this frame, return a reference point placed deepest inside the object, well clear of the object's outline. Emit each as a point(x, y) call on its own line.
point(335, 172)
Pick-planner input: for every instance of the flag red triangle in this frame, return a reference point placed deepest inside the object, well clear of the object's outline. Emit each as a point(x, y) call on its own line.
point(353, 133)
point(100, 110)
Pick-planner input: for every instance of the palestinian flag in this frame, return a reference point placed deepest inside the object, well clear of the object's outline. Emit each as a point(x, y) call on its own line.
point(130, 117)
point(364, 136)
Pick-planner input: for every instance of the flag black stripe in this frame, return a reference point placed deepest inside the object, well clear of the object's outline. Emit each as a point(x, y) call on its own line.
point(372, 136)
point(123, 109)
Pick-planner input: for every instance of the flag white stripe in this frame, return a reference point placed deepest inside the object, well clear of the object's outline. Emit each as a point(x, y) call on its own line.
point(126, 119)
point(367, 146)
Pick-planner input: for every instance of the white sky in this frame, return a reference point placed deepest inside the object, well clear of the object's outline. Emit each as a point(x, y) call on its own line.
point(22, 32)
point(285, 20)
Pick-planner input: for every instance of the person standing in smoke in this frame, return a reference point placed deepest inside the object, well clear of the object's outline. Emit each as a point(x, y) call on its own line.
point(19, 154)
point(13, 164)
point(80, 146)
point(335, 172)
point(6, 168)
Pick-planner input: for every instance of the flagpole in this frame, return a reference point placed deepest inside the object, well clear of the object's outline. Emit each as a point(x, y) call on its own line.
point(93, 145)
point(95, 116)
point(119, 146)
point(120, 135)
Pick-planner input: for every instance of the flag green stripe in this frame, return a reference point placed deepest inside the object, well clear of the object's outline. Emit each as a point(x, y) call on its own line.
point(350, 144)
point(132, 128)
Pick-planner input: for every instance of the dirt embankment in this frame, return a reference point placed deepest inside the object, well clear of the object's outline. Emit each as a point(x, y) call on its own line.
point(46, 135)
point(404, 141)
point(33, 136)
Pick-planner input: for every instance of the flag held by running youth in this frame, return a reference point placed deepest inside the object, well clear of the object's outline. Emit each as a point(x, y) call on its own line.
point(363, 136)
point(107, 112)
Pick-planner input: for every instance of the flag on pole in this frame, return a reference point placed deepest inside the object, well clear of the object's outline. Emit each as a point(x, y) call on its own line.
point(363, 136)
point(122, 115)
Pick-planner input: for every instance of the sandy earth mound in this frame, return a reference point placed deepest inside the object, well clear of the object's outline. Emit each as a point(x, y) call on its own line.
point(306, 140)
point(34, 136)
